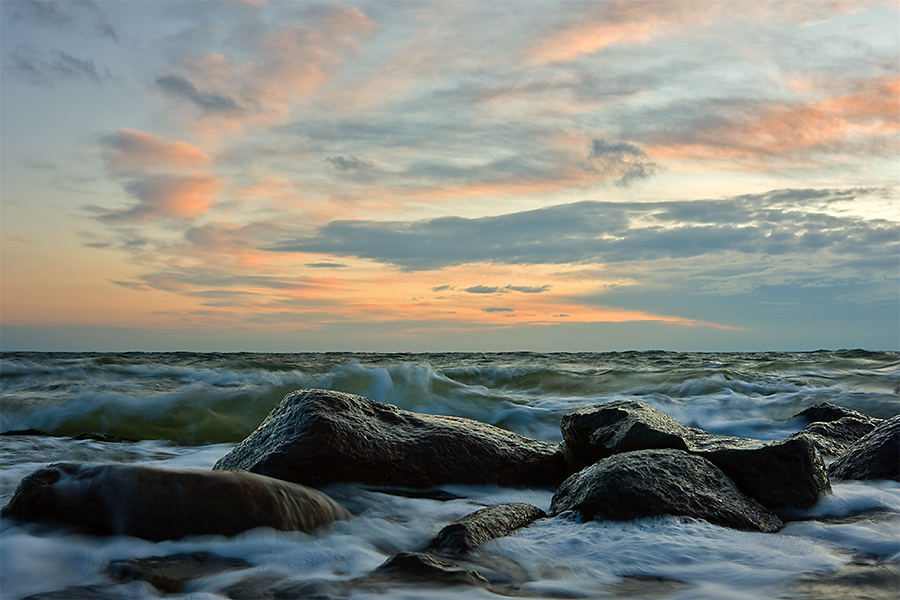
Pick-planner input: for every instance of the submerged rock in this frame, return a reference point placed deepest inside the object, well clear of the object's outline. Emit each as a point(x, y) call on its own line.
point(875, 456)
point(159, 504)
point(484, 525)
point(320, 437)
point(425, 567)
point(780, 475)
point(646, 483)
point(169, 573)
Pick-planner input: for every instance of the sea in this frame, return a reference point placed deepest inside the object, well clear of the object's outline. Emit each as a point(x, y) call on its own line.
point(187, 410)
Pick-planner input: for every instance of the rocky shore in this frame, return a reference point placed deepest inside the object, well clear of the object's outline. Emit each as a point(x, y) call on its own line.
point(619, 460)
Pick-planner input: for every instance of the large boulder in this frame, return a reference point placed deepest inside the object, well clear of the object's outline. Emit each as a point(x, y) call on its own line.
point(320, 437)
point(484, 525)
point(785, 474)
point(646, 483)
point(835, 438)
point(160, 504)
point(834, 429)
point(826, 412)
point(875, 456)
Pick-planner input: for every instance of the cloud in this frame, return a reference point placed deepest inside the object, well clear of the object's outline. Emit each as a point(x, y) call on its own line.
point(347, 163)
point(603, 24)
point(63, 16)
point(625, 161)
point(483, 289)
point(45, 68)
point(128, 150)
point(497, 310)
point(777, 223)
point(529, 289)
point(209, 102)
point(524, 289)
point(169, 196)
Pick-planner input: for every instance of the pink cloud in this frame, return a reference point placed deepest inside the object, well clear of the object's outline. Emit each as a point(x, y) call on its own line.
point(170, 196)
point(138, 151)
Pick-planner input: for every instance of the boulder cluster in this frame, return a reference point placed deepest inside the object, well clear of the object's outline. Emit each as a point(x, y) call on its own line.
point(619, 460)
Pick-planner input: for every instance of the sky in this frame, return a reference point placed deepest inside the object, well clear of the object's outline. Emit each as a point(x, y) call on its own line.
point(449, 176)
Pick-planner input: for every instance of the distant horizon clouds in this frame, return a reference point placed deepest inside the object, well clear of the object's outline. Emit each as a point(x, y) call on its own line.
point(379, 176)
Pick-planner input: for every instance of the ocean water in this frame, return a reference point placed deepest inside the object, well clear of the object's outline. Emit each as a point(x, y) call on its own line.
point(187, 410)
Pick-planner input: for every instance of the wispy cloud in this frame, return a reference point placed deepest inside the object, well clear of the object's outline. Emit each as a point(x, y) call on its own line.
point(38, 67)
point(210, 102)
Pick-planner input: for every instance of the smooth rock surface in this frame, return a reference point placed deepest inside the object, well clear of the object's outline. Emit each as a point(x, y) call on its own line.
point(647, 483)
point(321, 437)
point(875, 456)
point(784, 474)
point(484, 525)
point(159, 504)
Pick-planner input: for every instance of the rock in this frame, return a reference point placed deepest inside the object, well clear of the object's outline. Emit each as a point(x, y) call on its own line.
point(423, 567)
point(647, 483)
point(825, 412)
point(169, 573)
point(833, 429)
point(320, 437)
point(853, 581)
point(834, 438)
point(874, 456)
point(159, 504)
point(85, 592)
point(484, 525)
point(785, 474)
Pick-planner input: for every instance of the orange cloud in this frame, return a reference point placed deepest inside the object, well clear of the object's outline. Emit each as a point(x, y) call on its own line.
point(846, 123)
point(132, 150)
point(617, 23)
point(187, 197)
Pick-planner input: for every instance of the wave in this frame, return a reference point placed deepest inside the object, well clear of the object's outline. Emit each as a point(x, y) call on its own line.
point(220, 398)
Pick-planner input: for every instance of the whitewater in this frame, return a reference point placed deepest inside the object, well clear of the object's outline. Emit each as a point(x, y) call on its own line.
point(187, 410)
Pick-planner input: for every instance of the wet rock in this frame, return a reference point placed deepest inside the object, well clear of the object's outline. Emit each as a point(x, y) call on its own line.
point(86, 592)
point(647, 483)
point(784, 474)
point(424, 567)
point(834, 438)
point(320, 437)
point(826, 412)
point(484, 525)
point(158, 504)
point(874, 456)
point(169, 573)
point(854, 581)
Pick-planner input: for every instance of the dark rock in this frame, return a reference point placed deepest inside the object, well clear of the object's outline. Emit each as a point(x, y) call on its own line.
point(825, 412)
point(484, 525)
point(780, 475)
point(648, 483)
point(874, 456)
point(169, 573)
point(854, 581)
point(320, 437)
point(834, 438)
point(432, 494)
point(30, 431)
point(99, 437)
point(85, 592)
point(423, 567)
point(158, 504)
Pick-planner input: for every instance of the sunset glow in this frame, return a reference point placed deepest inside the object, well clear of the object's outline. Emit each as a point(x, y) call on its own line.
point(295, 176)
